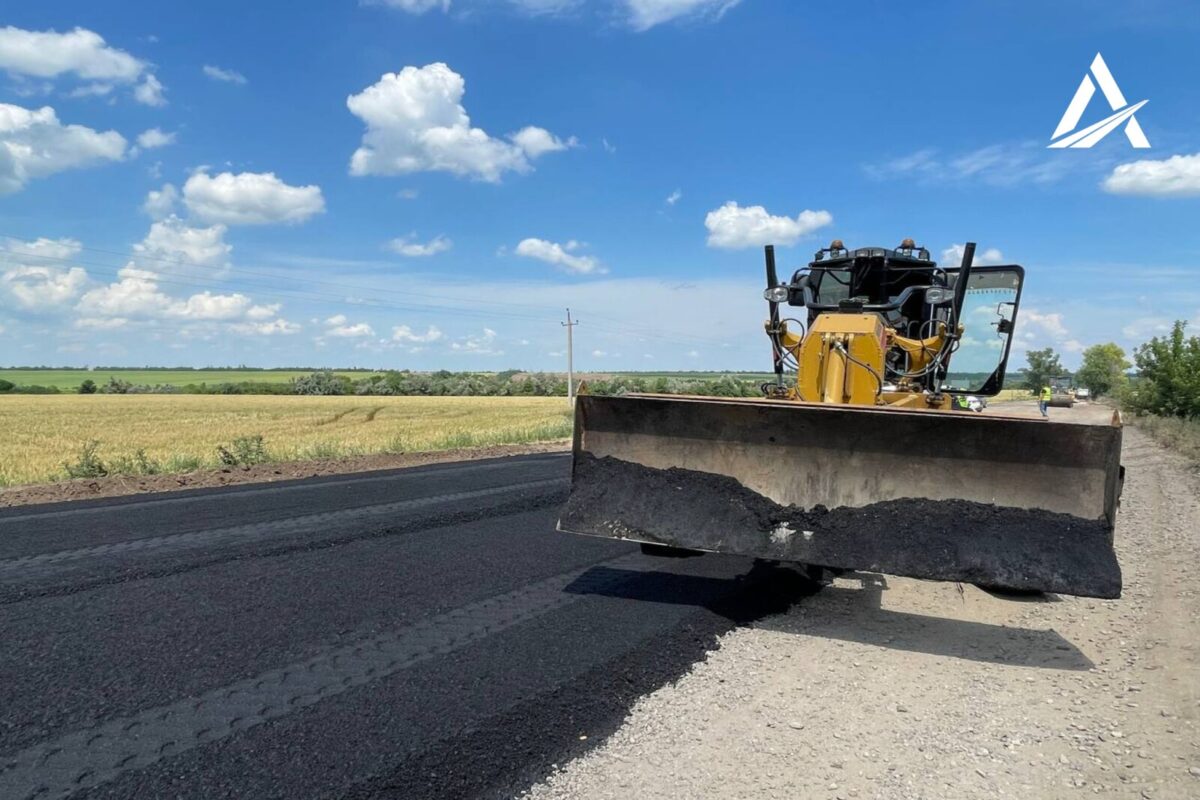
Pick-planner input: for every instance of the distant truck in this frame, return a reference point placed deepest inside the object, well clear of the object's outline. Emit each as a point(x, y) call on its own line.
point(1062, 391)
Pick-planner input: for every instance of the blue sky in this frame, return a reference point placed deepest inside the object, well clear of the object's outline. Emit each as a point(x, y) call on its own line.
point(427, 184)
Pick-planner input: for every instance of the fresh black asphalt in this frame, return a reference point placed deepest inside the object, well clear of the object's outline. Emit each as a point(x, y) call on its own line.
point(416, 633)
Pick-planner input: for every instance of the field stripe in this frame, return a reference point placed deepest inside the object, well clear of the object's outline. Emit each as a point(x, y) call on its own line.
point(42, 564)
point(86, 758)
point(261, 489)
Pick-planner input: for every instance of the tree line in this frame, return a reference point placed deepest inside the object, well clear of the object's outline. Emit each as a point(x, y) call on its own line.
point(1166, 381)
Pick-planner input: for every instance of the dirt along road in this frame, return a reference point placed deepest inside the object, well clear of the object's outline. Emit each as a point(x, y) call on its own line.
point(880, 687)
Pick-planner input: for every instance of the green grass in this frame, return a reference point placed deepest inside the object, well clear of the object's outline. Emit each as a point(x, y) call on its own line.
point(69, 379)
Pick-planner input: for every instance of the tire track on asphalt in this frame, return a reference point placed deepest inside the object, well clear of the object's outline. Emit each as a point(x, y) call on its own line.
point(92, 756)
point(47, 564)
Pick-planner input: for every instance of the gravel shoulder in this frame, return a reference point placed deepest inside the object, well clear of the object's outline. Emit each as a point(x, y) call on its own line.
point(120, 485)
point(880, 687)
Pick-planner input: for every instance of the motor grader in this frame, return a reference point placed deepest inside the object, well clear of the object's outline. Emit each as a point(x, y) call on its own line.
point(857, 456)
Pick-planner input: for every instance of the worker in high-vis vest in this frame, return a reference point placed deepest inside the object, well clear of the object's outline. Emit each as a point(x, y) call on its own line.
point(1044, 401)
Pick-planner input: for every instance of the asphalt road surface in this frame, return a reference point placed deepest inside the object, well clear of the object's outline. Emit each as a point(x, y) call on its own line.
point(421, 633)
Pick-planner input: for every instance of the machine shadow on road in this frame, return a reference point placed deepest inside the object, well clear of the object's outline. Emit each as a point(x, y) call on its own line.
point(857, 615)
point(760, 591)
point(763, 595)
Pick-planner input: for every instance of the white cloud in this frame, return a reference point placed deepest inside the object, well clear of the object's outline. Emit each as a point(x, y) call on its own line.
point(416, 122)
point(409, 246)
point(403, 333)
point(81, 53)
point(263, 312)
point(645, 14)
point(559, 255)
point(250, 198)
point(952, 256)
point(172, 244)
point(537, 141)
point(160, 203)
point(154, 137)
point(674, 197)
point(599, 353)
point(539, 7)
point(150, 92)
point(34, 144)
point(414, 6)
point(354, 331)
point(136, 294)
point(273, 327)
point(408, 194)
point(609, 147)
point(1004, 165)
point(732, 226)
point(35, 275)
point(224, 75)
point(336, 319)
point(480, 345)
point(1177, 176)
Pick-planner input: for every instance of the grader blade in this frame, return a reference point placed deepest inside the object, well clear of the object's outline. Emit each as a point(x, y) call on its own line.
point(1005, 502)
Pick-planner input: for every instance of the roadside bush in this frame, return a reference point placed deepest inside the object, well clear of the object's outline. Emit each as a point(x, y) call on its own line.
point(87, 464)
point(87, 387)
point(245, 451)
point(33, 388)
point(6, 386)
point(137, 464)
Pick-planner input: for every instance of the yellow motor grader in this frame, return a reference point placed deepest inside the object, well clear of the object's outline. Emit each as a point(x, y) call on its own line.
point(858, 455)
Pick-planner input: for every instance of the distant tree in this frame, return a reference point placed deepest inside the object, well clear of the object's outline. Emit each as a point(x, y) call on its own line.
point(1170, 372)
point(1103, 369)
point(87, 387)
point(323, 382)
point(6, 386)
point(1042, 365)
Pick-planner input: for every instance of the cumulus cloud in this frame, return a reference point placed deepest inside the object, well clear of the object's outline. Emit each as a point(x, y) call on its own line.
point(82, 54)
point(224, 75)
point(34, 273)
point(173, 244)
point(403, 333)
point(409, 247)
point(537, 141)
point(416, 122)
point(250, 198)
point(952, 256)
point(160, 203)
point(560, 255)
point(1177, 176)
point(733, 227)
point(34, 144)
point(37, 276)
point(481, 345)
point(154, 137)
point(645, 14)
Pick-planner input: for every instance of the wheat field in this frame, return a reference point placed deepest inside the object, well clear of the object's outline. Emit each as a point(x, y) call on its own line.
point(178, 433)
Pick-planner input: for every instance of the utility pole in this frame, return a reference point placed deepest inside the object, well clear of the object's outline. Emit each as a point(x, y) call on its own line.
point(569, 325)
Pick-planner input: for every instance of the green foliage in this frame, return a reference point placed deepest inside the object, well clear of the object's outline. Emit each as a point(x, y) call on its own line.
point(35, 389)
point(1042, 365)
point(6, 386)
point(116, 386)
point(87, 464)
point(1169, 368)
point(245, 451)
point(322, 382)
point(87, 387)
point(1103, 369)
